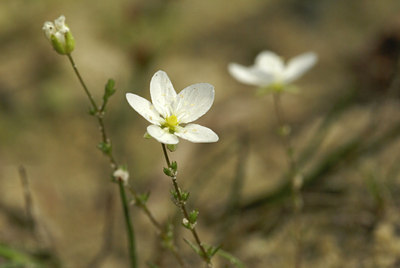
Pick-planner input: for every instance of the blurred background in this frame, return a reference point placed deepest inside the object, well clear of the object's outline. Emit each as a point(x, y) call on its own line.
point(345, 132)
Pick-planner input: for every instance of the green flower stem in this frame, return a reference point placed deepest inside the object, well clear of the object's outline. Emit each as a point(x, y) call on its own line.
point(99, 115)
point(129, 226)
point(294, 174)
point(182, 206)
point(98, 112)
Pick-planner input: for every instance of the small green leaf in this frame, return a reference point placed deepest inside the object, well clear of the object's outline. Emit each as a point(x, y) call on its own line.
point(174, 195)
point(109, 88)
point(185, 196)
point(211, 250)
point(105, 147)
point(168, 172)
point(142, 198)
point(92, 111)
point(193, 216)
point(174, 166)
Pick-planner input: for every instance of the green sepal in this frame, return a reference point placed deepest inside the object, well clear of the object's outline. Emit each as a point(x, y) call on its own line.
point(57, 45)
point(69, 42)
point(172, 147)
point(147, 136)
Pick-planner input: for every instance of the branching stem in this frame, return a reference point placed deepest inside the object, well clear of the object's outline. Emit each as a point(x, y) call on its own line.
point(99, 115)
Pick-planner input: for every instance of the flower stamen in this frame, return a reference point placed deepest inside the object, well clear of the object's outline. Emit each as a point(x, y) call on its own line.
point(171, 122)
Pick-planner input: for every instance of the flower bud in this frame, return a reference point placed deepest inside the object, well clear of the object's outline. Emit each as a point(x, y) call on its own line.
point(59, 35)
point(121, 174)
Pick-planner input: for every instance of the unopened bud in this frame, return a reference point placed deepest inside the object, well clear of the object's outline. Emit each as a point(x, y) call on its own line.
point(59, 35)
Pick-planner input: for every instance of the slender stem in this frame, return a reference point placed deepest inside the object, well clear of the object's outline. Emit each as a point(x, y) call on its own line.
point(82, 82)
point(99, 115)
point(145, 209)
point(98, 112)
point(283, 127)
point(129, 226)
point(294, 175)
point(184, 210)
point(156, 224)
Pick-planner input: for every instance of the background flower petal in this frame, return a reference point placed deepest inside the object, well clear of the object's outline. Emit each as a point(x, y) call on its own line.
point(250, 75)
point(196, 133)
point(269, 62)
point(144, 108)
point(299, 65)
point(193, 102)
point(162, 135)
point(162, 93)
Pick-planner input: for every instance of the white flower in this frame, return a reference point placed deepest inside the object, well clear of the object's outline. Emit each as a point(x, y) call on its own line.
point(269, 70)
point(171, 114)
point(59, 35)
point(122, 175)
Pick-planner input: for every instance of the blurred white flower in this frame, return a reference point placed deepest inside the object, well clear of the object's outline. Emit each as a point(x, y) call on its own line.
point(59, 35)
point(122, 175)
point(171, 114)
point(270, 70)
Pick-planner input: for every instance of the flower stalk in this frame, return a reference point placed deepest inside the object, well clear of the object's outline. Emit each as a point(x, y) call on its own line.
point(294, 174)
point(106, 147)
point(189, 220)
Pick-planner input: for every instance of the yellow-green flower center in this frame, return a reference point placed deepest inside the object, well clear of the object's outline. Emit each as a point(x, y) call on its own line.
point(171, 122)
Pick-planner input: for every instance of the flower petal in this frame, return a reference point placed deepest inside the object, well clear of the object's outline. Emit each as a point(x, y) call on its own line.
point(269, 62)
point(250, 75)
point(196, 133)
point(299, 65)
point(162, 93)
point(144, 108)
point(162, 135)
point(193, 102)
